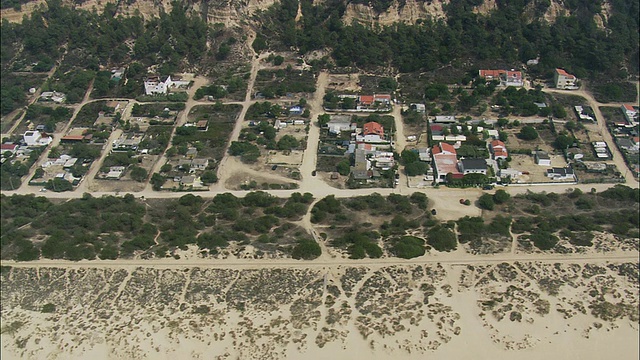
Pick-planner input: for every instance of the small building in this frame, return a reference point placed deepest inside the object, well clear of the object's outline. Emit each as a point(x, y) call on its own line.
point(199, 164)
point(12, 148)
point(542, 158)
point(202, 125)
point(419, 108)
point(445, 119)
point(509, 172)
point(561, 173)
point(564, 80)
point(115, 172)
point(445, 160)
point(498, 149)
point(583, 114)
point(56, 97)
point(436, 129)
point(36, 138)
point(473, 166)
point(295, 110)
point(339, 123)
point(191, 153)
point(424, 154)
point(630, 113)
point(187, 180)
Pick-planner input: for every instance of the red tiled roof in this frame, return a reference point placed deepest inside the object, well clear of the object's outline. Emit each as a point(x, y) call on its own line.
point(436, 127)
point(373, 128)
point(491, 73)
point(382, 97)
point(629, 107)
point(514, 75)
point(442, 147)
point(636, 139)
point(8, 146)
point(366, 99)
point(564, 73)
point(73, 137)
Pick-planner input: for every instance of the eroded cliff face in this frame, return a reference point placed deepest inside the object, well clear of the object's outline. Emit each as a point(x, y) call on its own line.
point(409, 13)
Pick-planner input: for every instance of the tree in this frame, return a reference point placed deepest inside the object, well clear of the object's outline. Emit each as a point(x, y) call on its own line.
point(502, 122)
point(306, 249)
point(563, 142)
point(344, 167)
point(416, 168)
point(543, 240)
point(442, 238)
point(157, 181)
point(486, 202)
point(409, 156)
point(138, 174)
point(166, 168)
point(209, 177)
point(408, 247)
point(288, 142)
point(558, 111)
point(528, 132)
point(501, 197)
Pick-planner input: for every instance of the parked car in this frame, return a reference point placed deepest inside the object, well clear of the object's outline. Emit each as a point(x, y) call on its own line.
point(313, 173)
point(433, 212)
point(274, 167)
point(487, 187)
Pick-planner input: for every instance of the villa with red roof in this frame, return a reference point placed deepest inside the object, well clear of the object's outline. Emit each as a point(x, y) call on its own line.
point(446, 161)
point(564, 80)
point(375, 101)
point(499, 150)
point(8, 147)
point(372, 132)
point(506, 77)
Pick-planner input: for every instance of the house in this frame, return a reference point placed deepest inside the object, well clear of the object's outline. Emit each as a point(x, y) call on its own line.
point(493, 133)
point(419, 108)
point(115, 172)
point(436, 129)
point(445, 119)
point(630, 113)
point(36, 138)
point(424, 154)
point(191, 153)
point(499, 150)
point(295, 110)
point(505, 77)
point(187, 180)
point(583, 114)
point(117, 74)
point(473, 166)
point(154, 85)
point(601, 150)
point(509, 172)
point(199, 164)
point(561, 173)
point(202, 125)
point(627, 144)
point(383, 160)
point(54, 96)
point(542, 158)
point(126, 144)
point(339, 123)
point(564, 80)
point(12, 148)
point(445, 159)
point(372, 132)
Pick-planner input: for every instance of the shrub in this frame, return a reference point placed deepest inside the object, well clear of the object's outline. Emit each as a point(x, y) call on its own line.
point(441, 238)
point(408, 247)
point(528, 133)
point(486, 202)
point(543, 240)
point(306, 249)
point(501, 197)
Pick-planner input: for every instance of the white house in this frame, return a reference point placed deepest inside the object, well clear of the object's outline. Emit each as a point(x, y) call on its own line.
point(564, 80)
point(630, 113)
point(473, 166)
point(155, 85)
point(54, 96)
point(561, 173)
point(542, 158)
point(35, 138)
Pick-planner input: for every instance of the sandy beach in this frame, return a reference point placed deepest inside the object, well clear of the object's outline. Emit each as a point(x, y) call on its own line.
point(531, 310)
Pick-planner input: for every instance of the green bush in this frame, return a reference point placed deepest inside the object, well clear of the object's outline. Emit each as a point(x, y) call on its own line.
point(441, 238)
point(501, 197)
point(543, 240)
point(306, 249)
point(486, 202)
point(408, 247)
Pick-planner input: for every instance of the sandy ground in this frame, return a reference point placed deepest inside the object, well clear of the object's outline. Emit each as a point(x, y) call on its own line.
point(442, 311)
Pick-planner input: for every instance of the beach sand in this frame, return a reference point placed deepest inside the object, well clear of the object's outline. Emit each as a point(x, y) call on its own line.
point(528, 310)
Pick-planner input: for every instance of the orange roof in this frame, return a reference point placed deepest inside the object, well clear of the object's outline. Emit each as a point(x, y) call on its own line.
point(629, 107)
point(491, 73)
point(564, 73)
point(443, 147)
point(382, 97)
point(73, 137)
point(497, 143)
point(366, 99)
point(636, 139)
point(373, 128)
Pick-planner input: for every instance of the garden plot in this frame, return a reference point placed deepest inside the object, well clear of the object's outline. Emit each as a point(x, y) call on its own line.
point(536, 173)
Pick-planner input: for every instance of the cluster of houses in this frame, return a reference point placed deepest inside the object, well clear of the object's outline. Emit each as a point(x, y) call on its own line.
point(156, 85)
point(369, 103)
point(62, 167)
point(561, 78)
point(504, 77)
